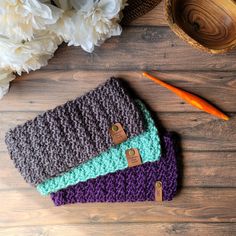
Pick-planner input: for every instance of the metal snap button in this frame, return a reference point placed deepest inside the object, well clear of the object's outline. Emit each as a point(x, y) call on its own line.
point(115, 128)
point(158, 184)
point(131, 152)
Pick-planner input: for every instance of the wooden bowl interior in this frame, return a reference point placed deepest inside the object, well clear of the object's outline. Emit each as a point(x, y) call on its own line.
point(212, 23)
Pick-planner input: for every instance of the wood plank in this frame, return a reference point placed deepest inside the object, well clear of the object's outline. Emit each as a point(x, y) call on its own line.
point(21, 208)
point(197, 131)
point(209, 145)
point(10, 178)
point(142, 48)
point(201, 132)
point(164, 229)
point(207, 169)
point(155, 17)
point(196, 169)
point(43, 90)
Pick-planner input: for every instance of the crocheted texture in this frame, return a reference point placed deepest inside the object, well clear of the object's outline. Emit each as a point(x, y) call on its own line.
point(129, 185)
point(73, 133)
point(148, 144)
point(137, 8)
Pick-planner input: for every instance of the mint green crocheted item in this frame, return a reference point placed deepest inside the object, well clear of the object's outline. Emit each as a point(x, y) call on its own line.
point(114, 159)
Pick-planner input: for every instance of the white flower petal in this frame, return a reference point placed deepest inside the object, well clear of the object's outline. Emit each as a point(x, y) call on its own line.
point(30, 55)
point(5, 77)
point(20, 18)
point(90, 23)
point(83, 5)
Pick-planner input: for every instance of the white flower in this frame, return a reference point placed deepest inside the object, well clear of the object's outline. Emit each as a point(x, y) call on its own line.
point(20, 18)
point(89, 22)
point(31, 30)
point(28, 55)
point(5, 77)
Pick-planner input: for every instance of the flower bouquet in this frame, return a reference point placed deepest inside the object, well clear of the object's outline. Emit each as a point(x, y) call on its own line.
point(32, 30)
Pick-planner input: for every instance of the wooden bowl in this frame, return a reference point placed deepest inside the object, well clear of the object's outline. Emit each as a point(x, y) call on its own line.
point(209, 25)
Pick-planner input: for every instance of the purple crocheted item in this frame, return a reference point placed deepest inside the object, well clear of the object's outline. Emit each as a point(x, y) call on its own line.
point(129, 185)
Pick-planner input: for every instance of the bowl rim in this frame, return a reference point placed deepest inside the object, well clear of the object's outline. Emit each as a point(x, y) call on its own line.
point(183, 35)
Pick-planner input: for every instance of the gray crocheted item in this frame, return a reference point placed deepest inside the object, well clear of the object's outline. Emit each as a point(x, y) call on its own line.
point(73, 133)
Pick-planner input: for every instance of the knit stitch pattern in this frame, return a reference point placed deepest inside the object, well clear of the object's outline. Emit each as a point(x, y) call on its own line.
point(63, 138)
point(148, 144)
point(129, 185)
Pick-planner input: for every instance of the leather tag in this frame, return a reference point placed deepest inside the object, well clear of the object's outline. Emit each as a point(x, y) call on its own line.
point(118, 134)
point(158, 191)
point(133, 157)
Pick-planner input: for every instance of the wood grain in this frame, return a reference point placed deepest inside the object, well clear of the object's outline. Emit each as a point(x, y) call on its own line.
point(205, 204)
point(207, 25)
point(196, 169)
point(27, 207)
point(43, 90)
point(164, 229)
point(141, 48)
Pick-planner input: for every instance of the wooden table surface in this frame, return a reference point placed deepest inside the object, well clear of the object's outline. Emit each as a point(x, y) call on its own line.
point(206, 201)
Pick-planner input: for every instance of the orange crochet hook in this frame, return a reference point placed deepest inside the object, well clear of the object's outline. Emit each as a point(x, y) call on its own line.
point(190, 98)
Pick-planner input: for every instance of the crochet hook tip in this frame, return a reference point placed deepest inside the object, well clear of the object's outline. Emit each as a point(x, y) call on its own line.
point(145, 74)
point(225, 117)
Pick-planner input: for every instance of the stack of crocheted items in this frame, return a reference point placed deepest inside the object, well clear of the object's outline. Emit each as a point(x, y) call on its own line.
point(129, 185)
point(85, 150)
point(111, 160)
